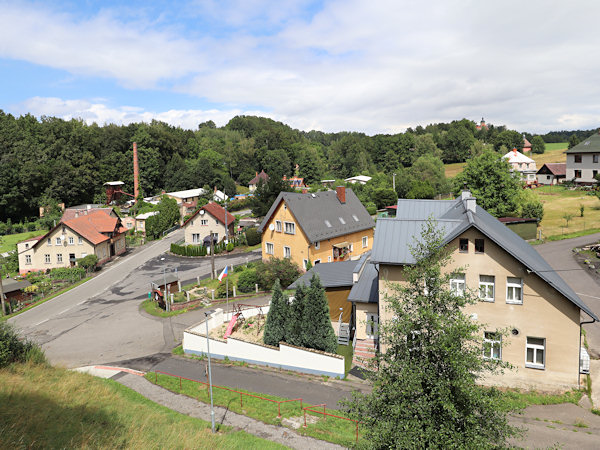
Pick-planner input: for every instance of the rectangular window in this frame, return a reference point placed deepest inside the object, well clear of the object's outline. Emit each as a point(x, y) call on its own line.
point(269, 249)
point(578, 174)
point(594, 173)
point(204, 222)
point(365, 241)
point(577, 158)
point(47, 259)
point(463, 245)
point(595, 159)
point(57, 241)
point(27, 259)
point(59, 258)
point(372, 325)
point(514, 290)
point(457, 283)
point(278, 226)
point(536, 353)
point(287, 252)
point(486, 288)
point(49, 241)
point(81, 239)
point(317, 261)
point(304, 263)
point(492, 345)
point(290, 227)
point(479, 245)
point(71, 240)
point(195, 238)
point(317, 245)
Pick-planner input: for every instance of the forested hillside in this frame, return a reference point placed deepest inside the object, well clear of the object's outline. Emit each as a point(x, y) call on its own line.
point(68, 161)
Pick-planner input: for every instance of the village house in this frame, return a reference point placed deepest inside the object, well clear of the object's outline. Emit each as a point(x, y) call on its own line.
point(325, 226)
point(253, 184)
point(186, 200)
point(526, 145)
point(583, 161)
point(518, 290)
point(360, 179)
point(552, 173)
point(140, 221)
point(96, 232)
point(523, 165)
point(209, 218)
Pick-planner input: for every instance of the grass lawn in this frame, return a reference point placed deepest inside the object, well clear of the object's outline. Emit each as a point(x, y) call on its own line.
point(8, 241)
point(47, 407)
point(151, 307)
point(453, 169)
point(334, 430)
point(558, 201)
point(346, 352)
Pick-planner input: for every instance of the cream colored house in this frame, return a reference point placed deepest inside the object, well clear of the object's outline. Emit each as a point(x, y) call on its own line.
point(97, 232)
point(517, 288)
point(209, 218)
point(187, 200)
point(140, 220)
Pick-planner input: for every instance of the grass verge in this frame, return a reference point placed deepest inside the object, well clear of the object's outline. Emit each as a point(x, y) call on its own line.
point(50, 297)
point(334, 430)
point(514, 399)
point(346, 352)
point(47, 407)
point(152, 308)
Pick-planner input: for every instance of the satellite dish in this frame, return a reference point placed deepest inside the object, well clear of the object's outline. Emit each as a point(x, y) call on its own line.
point(201, 212)
point(271, 227)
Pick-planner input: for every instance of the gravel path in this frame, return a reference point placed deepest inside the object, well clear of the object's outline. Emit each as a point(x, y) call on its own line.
point(193, 408)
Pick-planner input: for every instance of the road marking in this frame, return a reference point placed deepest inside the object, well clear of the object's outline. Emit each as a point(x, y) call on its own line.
point(39, 323)
point(62, 312)
point(82, 302)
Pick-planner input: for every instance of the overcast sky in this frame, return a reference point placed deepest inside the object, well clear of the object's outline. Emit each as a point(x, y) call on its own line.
point(371, 66)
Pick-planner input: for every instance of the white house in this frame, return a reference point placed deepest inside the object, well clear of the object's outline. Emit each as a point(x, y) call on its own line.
point(522, 164)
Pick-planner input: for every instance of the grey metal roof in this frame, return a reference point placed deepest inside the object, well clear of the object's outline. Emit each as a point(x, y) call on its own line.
point(333, 274)
point(393, 238)
point(314, 211)
point(588, 145)
point(12, 285)
point(366, 290)
point(170, 278)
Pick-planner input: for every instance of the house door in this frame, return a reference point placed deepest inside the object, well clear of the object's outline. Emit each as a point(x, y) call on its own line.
point(72, 259)
point(372, 325)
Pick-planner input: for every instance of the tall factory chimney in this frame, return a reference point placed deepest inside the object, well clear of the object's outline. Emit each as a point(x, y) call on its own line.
point(136, 172)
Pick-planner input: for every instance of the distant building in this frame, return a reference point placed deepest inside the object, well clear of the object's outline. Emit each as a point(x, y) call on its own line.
point(526, 145)
point(552, 173)
point(523, 165)
point(253, 184)
point(140, 220)
point(360, 179)
point(583, 161)
point(186, 200)
point(481, 125)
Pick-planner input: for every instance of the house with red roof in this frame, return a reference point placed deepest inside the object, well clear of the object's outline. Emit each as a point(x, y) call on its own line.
point(96, 232)
point(552, 173)
point(211, 218)
point(253, 184)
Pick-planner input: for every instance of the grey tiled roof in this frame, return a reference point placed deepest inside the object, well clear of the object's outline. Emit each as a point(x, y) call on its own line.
point(334, 274)
point(394, 237)
point(366, 290)
point(588, 145)
point(314, 211)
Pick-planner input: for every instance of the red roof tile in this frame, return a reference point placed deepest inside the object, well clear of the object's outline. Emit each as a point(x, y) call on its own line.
point(262, 175)
point(215, 210)
point(92, 225)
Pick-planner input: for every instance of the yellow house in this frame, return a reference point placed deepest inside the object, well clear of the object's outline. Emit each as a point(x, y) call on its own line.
point(517, 289)
point(327, 226)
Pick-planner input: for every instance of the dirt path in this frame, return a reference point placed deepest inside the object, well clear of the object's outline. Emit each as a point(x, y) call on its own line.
point(193, 408)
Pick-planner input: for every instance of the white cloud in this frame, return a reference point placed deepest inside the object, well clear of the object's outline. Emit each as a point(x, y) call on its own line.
point(375, 66)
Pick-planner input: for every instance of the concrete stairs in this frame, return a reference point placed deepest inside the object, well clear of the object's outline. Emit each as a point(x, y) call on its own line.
point(344, 334)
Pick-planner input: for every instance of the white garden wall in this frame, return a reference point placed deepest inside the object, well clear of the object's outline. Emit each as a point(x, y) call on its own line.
point(285, 357)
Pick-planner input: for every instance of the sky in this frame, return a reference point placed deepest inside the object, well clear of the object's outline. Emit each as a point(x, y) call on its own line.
point(374, 66)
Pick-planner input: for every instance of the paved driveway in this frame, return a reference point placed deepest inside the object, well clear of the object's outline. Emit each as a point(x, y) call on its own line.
point(100, 321)
point(559, 255)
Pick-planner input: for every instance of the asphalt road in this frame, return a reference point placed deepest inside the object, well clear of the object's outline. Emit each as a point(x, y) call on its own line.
point(100, 321)
point(559, 255)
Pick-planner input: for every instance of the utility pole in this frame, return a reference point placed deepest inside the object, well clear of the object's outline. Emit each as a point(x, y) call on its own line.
point(2, 295)
point(394, 181)
point(212, 256)
point(226, 244)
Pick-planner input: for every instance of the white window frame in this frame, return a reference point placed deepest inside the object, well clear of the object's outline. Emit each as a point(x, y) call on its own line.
point(492, 340)
point(59, 258)
point(27, 259)
point(317, 245)
point(535, 348)
point(351, 248)
point(269, 248)
point(196, 238)
point(457, 279)
point(58, 240)
point(47, 258)
point(365, 241)
point(81, 239)
point(512, 286)
point(204, 222)
point(316, 261)
point(278, 226)
point(71, 240)
point(486, 284)
point(291, 226)
point(287, 252)
point(372, 325)
point(49, 242)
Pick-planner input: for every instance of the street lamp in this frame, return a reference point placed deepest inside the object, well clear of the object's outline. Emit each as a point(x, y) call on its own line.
point(167, 306)
point(212, 409)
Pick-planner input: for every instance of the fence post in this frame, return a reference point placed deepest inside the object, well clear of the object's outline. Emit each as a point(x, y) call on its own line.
point(304, 418)
point(278, 409)
point(256, 287)
point(241, 401)
point(155, 377)
point(300, 404)
point(324, 416)
point(179, 384)
point(212, 293)
point(234, 291)
point(198, 279)
point(357, 431)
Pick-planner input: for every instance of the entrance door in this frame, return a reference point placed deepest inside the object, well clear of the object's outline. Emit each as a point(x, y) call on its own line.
point(72, 259)
point(372, 325)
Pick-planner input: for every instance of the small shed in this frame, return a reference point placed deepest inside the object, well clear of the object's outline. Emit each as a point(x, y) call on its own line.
point(552, 173)
point(14, 290)
point(524, 227)
point(172, 283)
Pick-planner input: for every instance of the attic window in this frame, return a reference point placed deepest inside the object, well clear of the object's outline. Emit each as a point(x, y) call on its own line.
point(343, 222)
point(328, 223)
point(354, 217)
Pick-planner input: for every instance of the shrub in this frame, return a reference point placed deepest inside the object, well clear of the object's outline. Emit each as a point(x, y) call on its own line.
point(14, 350)
point(229, 246)
point(253, 237)
point(247, 280)
point(371, 208)
point(88, 262)
point(221, 291)
point(277, 268)
point(70, 274)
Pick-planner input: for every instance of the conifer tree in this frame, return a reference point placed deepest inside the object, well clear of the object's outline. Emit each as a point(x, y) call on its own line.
point(317, 331)
point(275, 326)
point(295, 317)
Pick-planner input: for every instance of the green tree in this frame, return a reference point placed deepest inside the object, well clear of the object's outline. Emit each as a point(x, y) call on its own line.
point(424, 393)
point(88, 262)
point(457, 142)
point(421, 189)
point(275, 325)
point(430, 169)
point(266, 194)
point(488, 177)
point(383, 197)
point(509, 139)
point(295, 318)
point(317, 331)
point(282, 269)
point(573, 141)
point(538, 145)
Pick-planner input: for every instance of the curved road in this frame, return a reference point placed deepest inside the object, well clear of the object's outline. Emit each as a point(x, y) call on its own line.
point(100, 321)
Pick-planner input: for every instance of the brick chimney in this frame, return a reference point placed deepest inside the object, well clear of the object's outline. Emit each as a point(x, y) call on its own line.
point(341, 193)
